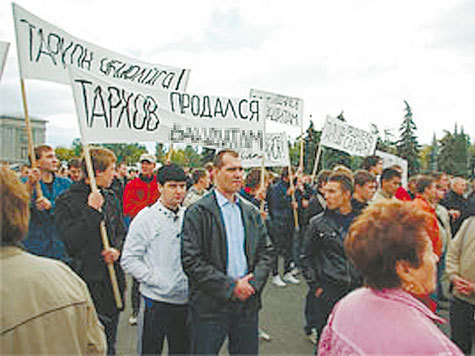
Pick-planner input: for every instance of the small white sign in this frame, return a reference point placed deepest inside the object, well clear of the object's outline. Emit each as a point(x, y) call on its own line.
point(276, 152)
point(280, 108)
point(339, 135)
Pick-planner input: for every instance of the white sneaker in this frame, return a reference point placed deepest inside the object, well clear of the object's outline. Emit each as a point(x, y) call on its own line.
point(277, 281)
point(263, 335)
point(290, 278)
point(312, 337)
point(295, 271)
point(133, 320)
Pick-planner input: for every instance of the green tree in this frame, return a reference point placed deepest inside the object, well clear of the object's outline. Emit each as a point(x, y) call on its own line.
point(471, 160)
point(407, 145)
point(160, 153)
point(294, 151)
point(424, 157)
point(77, 147)
point(454, 153)
point(386, 140)
point(446, 154)
point(460, 149)
point(433, 155)
point(311, 142)
point(127, 152)
point(64, 154)
point(207, 155)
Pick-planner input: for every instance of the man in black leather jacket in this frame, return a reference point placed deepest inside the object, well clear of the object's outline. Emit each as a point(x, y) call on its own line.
point(227, 263)
point(329, 274)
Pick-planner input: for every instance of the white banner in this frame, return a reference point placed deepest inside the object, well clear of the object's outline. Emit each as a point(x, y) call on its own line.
point(45, 51)
point(276, 152)
point(339, 135)
point(390, 159)
point(279, 108)
point(3, 56)
point(116, 112)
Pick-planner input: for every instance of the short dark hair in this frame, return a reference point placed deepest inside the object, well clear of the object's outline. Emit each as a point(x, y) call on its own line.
point(370, 161)
point(423, 182)
point(386, 232)
point(218, 159)
point(171, 172)
point(253, 178)
point(39, 150)
point(198, 174)
point(101, 159)
point(285, 172)
point(362, 177)
point(322, 177)
point(74, 162)
point(436, 175)
point(389, 173)
point(345, 180)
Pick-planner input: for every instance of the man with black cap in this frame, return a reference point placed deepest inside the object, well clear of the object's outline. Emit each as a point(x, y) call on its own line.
point(152, 256)
point(138, 194)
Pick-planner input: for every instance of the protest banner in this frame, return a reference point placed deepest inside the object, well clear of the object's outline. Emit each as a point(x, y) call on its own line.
point(112, 111)
point(45, 51)
point(339, 135)
point(3, 56)
point(280, 108)
point(276, 152)
point(390, 159)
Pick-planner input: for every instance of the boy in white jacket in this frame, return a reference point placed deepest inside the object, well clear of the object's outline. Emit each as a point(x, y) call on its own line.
point(151, 254)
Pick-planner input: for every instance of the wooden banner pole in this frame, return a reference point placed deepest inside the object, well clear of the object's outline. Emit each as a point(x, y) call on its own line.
point(29, 134)
point(263, 172)
point(315, 165)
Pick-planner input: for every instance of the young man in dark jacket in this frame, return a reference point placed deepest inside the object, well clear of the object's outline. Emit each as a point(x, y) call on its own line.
point(79, 213)
point(227, 258)
point(329, 274)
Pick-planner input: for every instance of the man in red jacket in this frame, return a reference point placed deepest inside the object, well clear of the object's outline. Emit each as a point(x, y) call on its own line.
point(139, 193)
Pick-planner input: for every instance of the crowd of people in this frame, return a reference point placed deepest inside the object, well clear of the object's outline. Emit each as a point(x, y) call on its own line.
point(200, 246)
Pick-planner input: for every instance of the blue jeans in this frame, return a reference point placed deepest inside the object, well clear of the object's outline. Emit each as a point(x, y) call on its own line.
point(240, 326)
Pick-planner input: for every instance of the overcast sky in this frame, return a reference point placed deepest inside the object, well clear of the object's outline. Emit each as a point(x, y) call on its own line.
point(362, 57)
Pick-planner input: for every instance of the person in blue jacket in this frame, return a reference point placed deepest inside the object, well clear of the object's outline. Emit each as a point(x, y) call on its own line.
point(42, 238)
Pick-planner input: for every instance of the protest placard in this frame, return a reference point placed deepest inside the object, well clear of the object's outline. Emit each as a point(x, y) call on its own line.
point(280, 108)
point(45, 51)
point(3, 56)
point(390, 159)
point(276, 152)
point(339, 135)
point(112, 111)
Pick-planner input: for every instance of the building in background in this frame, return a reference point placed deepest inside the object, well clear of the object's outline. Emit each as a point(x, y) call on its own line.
point(14, 140)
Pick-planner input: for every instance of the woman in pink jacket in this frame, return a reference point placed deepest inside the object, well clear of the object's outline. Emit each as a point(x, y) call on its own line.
point(391, 248)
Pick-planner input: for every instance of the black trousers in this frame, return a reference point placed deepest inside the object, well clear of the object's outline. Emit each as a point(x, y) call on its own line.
point(110, 322)
point(135, 296)
point(165, 320)
point(462, 324)
point(323, 305)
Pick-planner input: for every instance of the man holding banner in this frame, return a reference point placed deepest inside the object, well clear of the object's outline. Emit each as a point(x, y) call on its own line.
point(227, 257)
point(42, 238)
point(79, 213)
